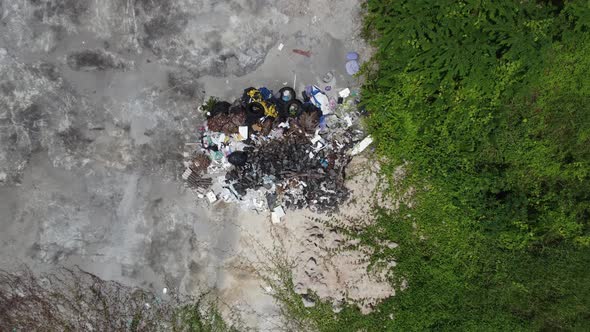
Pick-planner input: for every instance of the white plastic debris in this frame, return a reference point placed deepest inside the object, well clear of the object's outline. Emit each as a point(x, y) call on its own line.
point(360, 147)
point(320, 99)
point(186, 173)
point(316, 139)
point(211, 197)
point(243, 132)
point(319, 146)
point(348, 121)
point(344, 93)
point(277, 214)
point(165, 290)
point(281, 46)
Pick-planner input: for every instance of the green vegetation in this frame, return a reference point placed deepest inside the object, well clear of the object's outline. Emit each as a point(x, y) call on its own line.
point(489, 102)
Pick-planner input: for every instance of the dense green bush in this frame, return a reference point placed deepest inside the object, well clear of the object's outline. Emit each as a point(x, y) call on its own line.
point(489, 102)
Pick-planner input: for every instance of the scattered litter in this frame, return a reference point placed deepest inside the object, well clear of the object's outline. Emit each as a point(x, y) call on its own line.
point(211, 197)
point(238, 158)
point(302, 52)
point(328, 88)
point(277, 215)
point(348, 121)
point(344, 93)
point(352, 56)
point(352, 67)
point(281, 46)
point(269, 152)
point(320, 99)
point(360, 147)
point(165, 290)
point(243, 130)
point(328, 77)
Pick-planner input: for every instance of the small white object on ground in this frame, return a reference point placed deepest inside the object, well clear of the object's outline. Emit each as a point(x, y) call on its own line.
point(320, 99)
point(361, 146)
point(277, 214)
point(186, 173)
point(211, 197)
point(165, 290)
point(281, 46)
point(316, 139)
point(348, 121)
point(243, 132)
point(344, 93)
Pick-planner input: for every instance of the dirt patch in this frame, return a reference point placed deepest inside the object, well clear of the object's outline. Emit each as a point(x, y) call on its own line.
point(96, 60)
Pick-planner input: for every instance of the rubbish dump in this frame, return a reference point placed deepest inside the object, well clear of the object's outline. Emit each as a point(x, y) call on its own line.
point(273, 152)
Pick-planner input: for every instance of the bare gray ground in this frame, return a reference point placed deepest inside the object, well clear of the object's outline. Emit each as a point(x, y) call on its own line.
point(97, 98)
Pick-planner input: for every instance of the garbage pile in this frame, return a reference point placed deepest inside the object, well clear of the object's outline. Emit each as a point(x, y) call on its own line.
point(272, 151)
point(302, 174)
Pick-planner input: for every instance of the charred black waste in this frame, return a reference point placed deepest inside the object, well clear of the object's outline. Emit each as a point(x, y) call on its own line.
point(274, 151)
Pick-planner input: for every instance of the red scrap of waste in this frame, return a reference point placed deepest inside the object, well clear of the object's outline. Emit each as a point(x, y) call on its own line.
point(302, 52)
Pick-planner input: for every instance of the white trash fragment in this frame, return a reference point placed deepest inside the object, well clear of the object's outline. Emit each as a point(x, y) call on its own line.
point(316, 139)
point(277, 214)
point(344, 93)
point(360, 147)
point(348, 121)
point(165, 290)
point(211, 197)
point(319, 146)
point(320, 100)
point(281, 46)
point(243, 132)
point(186, 173)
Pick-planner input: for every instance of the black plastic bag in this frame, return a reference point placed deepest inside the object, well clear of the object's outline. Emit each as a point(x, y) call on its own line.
point(238, 158)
